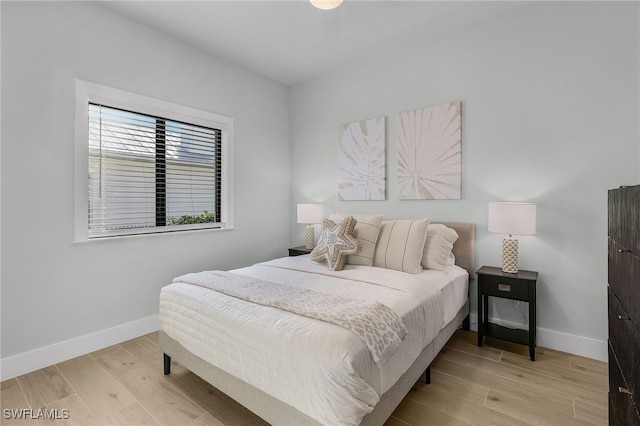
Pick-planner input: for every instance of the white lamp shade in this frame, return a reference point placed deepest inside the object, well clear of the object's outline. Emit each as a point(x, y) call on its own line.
point(326, 4)
point(512, 218)
point(310, 213)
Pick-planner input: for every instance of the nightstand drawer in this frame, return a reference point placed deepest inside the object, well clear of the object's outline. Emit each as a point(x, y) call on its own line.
point(509, 288)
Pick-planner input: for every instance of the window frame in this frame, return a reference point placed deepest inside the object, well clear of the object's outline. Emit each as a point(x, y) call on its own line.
point(88, 92)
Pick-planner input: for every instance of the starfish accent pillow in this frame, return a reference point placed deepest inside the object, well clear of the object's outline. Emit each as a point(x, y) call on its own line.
point(336, 243)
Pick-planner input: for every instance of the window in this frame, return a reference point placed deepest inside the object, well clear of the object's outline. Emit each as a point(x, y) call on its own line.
point(148, 166)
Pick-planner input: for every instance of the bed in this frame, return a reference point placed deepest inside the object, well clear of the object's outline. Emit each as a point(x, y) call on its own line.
point(294, 370)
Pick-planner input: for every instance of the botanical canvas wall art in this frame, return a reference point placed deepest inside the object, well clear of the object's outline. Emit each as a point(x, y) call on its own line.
point(430, 153)
point(361, 160)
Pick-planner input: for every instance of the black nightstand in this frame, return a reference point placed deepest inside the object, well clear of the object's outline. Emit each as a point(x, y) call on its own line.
point(521, 286)
point(297, 251)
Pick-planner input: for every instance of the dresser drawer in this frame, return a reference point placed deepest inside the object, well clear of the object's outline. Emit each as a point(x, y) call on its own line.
point(624, 339)
point(624, 217)
point(624, 279)
point(506, 287)
point(623, 409)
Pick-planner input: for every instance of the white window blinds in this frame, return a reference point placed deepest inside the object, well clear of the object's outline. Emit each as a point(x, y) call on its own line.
point(150, 173)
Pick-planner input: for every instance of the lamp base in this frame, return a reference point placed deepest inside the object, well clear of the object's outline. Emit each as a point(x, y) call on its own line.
point(310, 239)
point(510, 255)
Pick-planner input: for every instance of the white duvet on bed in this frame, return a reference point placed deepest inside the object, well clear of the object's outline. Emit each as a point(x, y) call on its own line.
point(319, 368)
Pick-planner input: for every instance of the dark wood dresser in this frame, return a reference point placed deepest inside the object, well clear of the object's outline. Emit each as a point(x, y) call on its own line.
point(624, 306)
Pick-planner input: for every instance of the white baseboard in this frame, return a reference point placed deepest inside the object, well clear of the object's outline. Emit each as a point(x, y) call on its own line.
point(36, 359)
point(576, 345)
point(570, 343)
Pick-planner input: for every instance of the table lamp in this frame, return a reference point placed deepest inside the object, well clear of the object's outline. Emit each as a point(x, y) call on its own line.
point(310, 214)
point(512, 219)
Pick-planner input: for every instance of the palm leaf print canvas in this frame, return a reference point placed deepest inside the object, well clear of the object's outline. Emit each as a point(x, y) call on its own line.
point(430, 153)
point(361, 160)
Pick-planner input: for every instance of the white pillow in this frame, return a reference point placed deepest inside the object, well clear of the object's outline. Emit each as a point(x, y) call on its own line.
point(366, 232)
point(400, 245)
point(438, 246)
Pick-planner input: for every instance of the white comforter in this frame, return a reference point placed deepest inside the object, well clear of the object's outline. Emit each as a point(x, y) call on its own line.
point(319, 368)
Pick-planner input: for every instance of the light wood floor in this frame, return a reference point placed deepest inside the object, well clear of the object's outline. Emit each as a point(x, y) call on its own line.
point(493, 385)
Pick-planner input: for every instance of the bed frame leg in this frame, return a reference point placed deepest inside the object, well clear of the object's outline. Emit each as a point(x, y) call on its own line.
point(167, 364)
point(427, 375)
point(466, 323)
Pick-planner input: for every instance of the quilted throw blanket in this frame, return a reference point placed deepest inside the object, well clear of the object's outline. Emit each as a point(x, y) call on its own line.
point(380, 328)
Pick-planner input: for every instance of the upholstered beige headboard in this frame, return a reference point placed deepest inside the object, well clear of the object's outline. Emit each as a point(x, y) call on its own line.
point(465, 247)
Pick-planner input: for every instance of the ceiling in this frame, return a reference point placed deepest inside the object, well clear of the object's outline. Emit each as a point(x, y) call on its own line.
point(292, 42)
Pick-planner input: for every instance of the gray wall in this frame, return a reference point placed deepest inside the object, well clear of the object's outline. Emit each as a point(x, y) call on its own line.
point(550, 107)
point(53, 289)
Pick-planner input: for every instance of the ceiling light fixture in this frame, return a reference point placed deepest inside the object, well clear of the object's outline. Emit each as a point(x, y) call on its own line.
point(326, 4)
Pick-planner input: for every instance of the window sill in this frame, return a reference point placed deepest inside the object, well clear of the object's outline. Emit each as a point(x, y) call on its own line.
point(152, 234)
